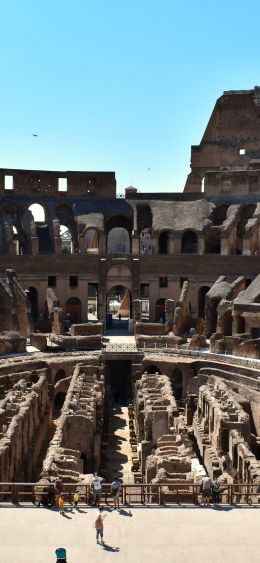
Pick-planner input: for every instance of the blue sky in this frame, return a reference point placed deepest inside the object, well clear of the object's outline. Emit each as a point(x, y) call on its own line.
point(117, 84)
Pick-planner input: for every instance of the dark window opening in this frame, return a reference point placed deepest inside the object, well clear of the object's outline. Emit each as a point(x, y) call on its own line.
point(51, 281)
point(73, 281)
point(163, 282)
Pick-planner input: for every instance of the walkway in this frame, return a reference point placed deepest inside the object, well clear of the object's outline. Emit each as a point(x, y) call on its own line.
point(148, 535)
point(118, 449)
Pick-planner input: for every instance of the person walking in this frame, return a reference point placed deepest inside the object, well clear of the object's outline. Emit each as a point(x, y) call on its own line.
point(99, 525)
point(206, 490)
point(75, 499)
point(116, 487)
point(58, 487)
point(96, 484)
point(61, 504)
point(216, 491)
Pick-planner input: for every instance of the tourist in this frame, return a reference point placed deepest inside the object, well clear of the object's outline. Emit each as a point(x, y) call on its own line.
point(116, 487)
point(96, 484)
point(206, 490)
point(61, 504)
point(216, 491)
point(99, 525)
point(58, 487)
point(75, 499)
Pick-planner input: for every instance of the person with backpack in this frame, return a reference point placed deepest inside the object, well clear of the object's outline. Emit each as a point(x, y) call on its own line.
point(216, 491)
point(116, 490)
point(99, 525)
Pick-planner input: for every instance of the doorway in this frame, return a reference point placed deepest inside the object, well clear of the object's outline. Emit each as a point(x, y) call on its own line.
point(119, 380)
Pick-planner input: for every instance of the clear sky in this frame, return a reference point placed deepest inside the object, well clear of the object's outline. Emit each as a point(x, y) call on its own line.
point(123, 85)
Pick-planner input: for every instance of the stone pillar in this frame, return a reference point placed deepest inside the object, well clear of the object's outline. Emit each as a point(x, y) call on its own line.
point(155, 244)
point(35, 245)
point(12, 248)
point(137, 310)
point(135, 244)
point(171, 243)
point(177, 245)
point(102, 243)
point(201, 245)
point(169, 313)
point(82, 244)
point(57, 245)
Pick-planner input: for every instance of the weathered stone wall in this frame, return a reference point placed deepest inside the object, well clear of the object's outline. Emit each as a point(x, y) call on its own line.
point(77, 440)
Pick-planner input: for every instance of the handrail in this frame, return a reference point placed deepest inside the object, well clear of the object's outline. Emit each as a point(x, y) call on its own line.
point(167, 492)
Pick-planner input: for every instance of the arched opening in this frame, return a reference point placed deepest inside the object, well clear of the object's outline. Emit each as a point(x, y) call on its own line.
point(91, 241)
point(177, 384)
point(145, 242)
point(85, 468)
point(59, 401)
point(38, 212)
point(144, 218)
point(118, 235)
point(189, 243)
point(73, 310)
point(160, 310)
point(66, 219)
point(245, 214)
point(241, 325)
point(119, 307)
point(66, 240)
point(32, 295)
point(201, 300)
point(151, 369)
point(213, 242)
point(164, 242)
point(42, 229)
point(61, 374)
point(219, 215)
point(16, 239)
point(92, 301)
point(118, 241)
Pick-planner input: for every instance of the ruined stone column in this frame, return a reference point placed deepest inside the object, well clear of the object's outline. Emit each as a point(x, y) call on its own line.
point(137, 310)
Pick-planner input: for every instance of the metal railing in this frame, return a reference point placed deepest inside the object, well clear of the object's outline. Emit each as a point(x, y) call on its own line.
point(138, 493)
point(117, 347)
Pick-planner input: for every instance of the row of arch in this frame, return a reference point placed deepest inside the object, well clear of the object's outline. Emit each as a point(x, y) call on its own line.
point(118, 232)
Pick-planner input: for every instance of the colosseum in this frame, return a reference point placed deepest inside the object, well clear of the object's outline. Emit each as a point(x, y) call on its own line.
point(130, 324)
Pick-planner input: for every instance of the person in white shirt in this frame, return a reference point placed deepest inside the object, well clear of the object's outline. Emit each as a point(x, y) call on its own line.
point(96, 484)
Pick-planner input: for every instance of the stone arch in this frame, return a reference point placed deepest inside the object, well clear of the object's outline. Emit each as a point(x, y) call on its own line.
point(42, 228)
point(119, 274)
point(38, 212)
point(201, 300)
point(163, 242)
point(119, 302)
point(119, 235)
point(177, 383)
point(189, 242)
point(66, 240)
point(61, 374)
point(65, 215)
point(73, 310)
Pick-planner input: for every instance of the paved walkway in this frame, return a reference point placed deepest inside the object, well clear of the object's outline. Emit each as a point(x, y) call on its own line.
point(149, 535)
point(119, 451)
